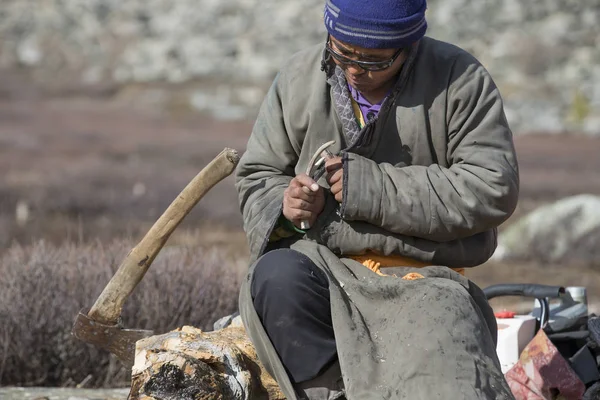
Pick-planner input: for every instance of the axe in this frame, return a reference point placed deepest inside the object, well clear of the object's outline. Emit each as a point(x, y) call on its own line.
point(101, 326)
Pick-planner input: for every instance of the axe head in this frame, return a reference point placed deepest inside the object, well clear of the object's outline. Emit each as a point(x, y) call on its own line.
point(119, 341)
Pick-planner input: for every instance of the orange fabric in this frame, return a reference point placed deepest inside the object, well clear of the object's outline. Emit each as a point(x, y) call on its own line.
point(412, 276)
point(374, 266)
point(375, 262)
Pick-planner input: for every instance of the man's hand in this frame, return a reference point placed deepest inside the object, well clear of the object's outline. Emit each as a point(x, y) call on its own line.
point(335, 177)
point(303, 200)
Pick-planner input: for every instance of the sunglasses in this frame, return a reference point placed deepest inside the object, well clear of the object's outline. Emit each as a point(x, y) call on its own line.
point(366, 65)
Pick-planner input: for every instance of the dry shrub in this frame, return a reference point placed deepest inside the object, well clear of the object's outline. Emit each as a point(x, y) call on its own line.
point(43, 287)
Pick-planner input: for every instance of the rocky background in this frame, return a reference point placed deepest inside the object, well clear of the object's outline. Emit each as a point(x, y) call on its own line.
point(220, 55)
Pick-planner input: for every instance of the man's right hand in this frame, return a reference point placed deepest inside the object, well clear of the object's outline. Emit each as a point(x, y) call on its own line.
point(303, 200)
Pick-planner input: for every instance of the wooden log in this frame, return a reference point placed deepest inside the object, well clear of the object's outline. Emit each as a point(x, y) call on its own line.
point(188, 363)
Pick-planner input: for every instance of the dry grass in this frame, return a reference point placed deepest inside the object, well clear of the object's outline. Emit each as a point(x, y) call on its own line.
point(43, 287)
point(193, 281)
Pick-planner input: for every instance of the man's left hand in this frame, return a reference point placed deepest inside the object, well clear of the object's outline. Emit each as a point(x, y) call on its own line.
point(335, 177)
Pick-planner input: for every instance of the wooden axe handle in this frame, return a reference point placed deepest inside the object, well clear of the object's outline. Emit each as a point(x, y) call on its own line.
point(107, 308)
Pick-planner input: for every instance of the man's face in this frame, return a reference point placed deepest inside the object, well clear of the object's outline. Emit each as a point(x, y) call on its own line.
point(362, 79)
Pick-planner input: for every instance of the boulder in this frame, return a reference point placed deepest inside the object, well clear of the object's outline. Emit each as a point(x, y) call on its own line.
point(567, 231)
point(189, 364)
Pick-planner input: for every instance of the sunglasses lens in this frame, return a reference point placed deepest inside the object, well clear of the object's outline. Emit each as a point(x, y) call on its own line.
point(374, 67)
point(367, 66)
point(362, 65)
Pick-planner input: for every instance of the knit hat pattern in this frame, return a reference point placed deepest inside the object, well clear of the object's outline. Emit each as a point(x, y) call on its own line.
point(376, 24)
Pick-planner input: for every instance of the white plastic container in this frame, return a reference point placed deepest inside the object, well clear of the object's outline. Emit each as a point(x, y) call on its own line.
point(513, 335)
point(578, 294)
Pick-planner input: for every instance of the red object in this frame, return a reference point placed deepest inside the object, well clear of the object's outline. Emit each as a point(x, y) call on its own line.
point(542, 371)
point(504, 314)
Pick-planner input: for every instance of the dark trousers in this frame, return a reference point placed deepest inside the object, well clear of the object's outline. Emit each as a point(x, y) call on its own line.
point(291, 296)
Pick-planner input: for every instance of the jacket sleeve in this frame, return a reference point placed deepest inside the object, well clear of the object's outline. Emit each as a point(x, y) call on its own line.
point(264, 172)
point(477, 192)
point(346, 238)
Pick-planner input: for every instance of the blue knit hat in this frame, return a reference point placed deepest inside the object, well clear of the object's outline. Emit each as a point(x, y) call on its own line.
point(376, 24)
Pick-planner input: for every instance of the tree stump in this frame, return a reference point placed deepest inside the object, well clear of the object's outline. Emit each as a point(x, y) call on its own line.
point(189, 364)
